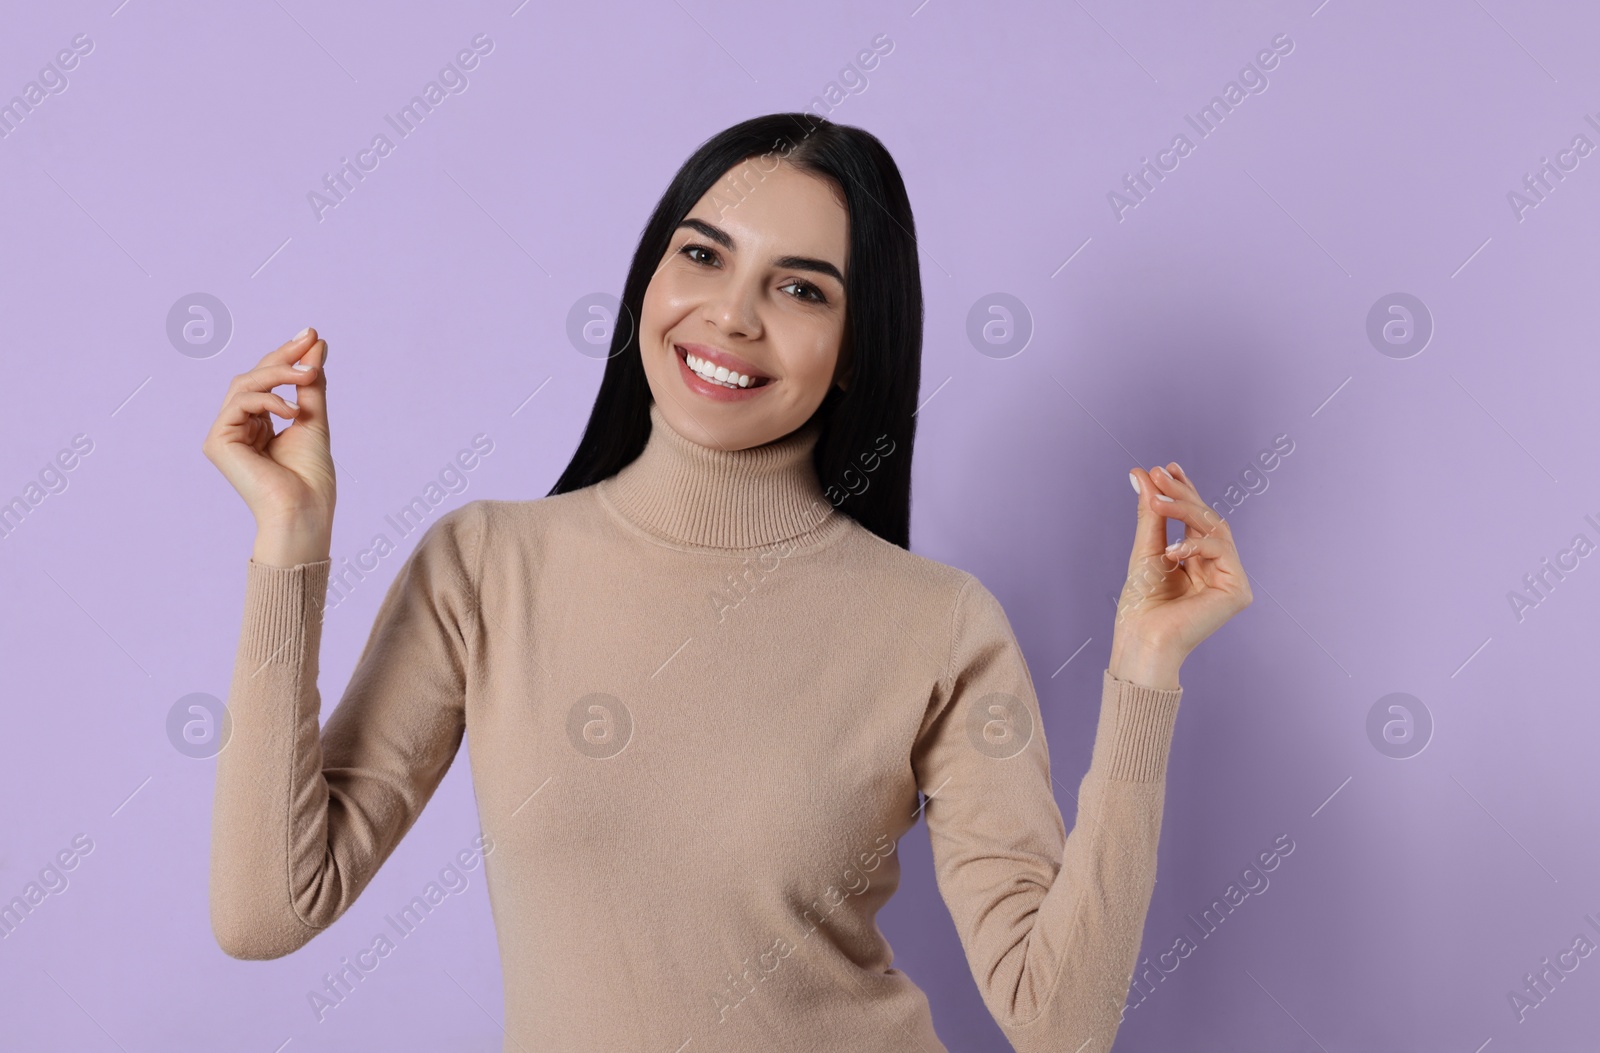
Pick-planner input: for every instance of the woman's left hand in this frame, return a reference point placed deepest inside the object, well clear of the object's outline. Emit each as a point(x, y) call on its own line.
point(1177, 595)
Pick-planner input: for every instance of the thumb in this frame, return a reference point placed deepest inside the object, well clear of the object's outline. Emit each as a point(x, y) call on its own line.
point(313, 397)
point(1150, 535)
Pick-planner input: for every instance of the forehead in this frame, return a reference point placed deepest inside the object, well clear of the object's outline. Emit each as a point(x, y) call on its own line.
point(778, 210)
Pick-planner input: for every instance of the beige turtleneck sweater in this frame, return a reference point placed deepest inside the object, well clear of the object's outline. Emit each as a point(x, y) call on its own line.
point(701, 706)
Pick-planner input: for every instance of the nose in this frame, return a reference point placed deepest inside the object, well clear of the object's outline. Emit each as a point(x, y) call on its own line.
point(733, 310)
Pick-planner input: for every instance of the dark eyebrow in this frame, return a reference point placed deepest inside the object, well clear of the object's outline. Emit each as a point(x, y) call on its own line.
point(800, 263)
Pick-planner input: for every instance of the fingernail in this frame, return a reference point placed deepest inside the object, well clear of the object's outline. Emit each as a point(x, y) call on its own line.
point(1178, 466)
point(1174, 545)
point(301, 366)
point(301, 334)
point(1163, 471)
point(1134, 479)
point(1164, 497)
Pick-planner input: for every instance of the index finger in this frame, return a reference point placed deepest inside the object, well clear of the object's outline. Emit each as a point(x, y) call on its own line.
point(1173, 480)
point(1199, 519)
point(290, 351)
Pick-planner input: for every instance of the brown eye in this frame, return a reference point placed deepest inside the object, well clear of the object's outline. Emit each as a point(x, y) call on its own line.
point(811, 290)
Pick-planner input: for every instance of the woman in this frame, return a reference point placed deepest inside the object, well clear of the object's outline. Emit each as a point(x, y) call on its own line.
point(708, 686)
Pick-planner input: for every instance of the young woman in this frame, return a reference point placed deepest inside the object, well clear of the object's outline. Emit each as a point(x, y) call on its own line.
point(707, 684)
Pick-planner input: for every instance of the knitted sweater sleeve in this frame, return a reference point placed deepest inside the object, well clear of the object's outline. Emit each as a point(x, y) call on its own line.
point(1050, 921)
point(303, 817)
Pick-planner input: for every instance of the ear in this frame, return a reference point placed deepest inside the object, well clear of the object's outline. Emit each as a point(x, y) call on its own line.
point(846, 368)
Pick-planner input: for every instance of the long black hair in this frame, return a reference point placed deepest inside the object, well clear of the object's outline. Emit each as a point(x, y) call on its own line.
point(883, 326)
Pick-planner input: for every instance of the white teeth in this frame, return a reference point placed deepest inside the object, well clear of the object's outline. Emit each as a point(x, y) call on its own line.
point(717, 375)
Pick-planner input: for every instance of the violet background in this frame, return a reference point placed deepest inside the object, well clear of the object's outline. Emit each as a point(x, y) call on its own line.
point(1227, 309)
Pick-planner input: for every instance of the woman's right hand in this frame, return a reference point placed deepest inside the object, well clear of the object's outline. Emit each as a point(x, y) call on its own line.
point(286, 479)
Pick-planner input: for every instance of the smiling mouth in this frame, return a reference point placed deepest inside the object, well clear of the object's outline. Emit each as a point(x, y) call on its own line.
point(719, 375)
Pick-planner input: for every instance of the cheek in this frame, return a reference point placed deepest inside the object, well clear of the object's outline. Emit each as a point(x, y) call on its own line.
point(826, 355)
point(667, 299)
point(815, 349)
point(657, 309)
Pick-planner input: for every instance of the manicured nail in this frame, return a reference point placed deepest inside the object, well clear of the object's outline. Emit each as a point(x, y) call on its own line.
point(301, 366)
point(1163, 471)
point(302, 333)
point(1134, 479)
point(1178, 466)
point(1164, 497)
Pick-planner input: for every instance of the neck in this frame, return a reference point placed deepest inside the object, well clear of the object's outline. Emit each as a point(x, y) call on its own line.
point(707, 497)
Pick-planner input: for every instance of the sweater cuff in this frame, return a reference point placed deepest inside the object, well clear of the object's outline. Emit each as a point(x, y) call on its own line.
point(280, 605)
point(1135, 729)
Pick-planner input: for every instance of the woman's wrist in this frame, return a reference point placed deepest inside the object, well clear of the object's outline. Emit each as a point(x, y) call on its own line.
point(289, 546)
point(1150, 666)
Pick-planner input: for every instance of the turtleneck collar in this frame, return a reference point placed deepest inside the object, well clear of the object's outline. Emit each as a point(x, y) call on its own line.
point(706, 497)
